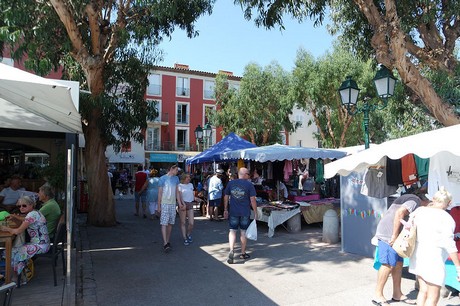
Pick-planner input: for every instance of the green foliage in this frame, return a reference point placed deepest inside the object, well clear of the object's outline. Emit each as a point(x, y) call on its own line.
point(109, 47)
point(55, 172)
point(431, 30)
point(132, 29)
point(260, 109)
point(315, 89)
point(447, 86)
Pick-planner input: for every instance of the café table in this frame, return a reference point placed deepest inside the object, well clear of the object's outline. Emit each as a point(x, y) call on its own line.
point(7, 239)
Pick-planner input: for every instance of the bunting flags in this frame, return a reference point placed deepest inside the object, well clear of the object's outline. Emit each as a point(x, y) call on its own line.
point(370, 213)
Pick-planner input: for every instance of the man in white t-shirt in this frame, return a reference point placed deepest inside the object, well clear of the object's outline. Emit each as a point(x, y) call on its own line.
point(10, 195)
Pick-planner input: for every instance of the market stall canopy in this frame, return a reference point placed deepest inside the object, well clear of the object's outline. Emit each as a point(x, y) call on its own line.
point(281, 152)
point(229, 143)
point(424, 145)
point(30, 102)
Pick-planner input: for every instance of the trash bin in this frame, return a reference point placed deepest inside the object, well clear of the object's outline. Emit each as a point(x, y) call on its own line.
point(294, 224)
point(330, 226)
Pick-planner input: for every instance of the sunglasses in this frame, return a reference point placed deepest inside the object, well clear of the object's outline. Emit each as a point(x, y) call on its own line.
point(22, 206)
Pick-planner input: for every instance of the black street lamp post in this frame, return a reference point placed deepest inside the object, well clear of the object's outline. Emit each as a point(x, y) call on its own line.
point(384, 83)
point(207, 133)
point(198, 136)
point(203, 135)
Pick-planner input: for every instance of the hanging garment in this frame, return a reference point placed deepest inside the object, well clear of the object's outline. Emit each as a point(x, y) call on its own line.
point(444, 170)
point(270, 171)
point(319, 178)
point(287, 170)
point(375, 184)
point(423, 167)
point(394, 173)
point(408, 170)
point(312, 167)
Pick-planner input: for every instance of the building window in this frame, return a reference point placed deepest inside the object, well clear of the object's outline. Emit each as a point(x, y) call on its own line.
point(208, 109)
point(234, 86)
point(182, 86)
point(157, 105)
point(154, 88)
point(209, 89)
point(153, 139)
point(181, 139)
point(299, 120)
point(182, 113)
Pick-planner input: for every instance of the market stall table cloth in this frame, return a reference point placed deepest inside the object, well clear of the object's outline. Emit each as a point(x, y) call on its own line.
point(275, 218)
point(313, 211)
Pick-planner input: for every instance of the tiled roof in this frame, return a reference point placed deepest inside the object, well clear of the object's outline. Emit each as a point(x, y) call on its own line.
point(195, 72)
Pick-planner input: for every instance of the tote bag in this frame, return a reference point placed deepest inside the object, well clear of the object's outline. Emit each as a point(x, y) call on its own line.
point(404, 245)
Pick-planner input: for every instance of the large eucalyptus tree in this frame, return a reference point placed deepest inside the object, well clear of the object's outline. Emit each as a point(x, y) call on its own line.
point(109, 47)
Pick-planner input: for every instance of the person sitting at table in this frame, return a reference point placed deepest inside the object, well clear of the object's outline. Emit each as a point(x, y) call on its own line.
point(50, 208)
point(256, 179)
point(35, 224)
point(10, 195)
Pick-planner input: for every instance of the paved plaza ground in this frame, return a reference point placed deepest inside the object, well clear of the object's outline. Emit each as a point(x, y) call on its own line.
point(125, 265)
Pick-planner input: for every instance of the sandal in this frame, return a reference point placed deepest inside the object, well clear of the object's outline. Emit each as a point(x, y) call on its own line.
point(244, 256)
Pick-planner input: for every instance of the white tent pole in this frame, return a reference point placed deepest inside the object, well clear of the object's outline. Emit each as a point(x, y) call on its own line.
point(69, 214)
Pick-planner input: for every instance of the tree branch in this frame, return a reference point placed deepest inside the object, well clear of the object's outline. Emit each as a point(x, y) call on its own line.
point(119, 25)
point(80, 51)
point(95, 30)
point(329, 126)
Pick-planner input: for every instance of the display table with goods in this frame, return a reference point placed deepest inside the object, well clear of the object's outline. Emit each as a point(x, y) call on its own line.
point(313, 211)
point(276, 213)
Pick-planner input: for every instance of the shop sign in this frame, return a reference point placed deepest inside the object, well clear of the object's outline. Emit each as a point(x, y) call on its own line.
point(163, 158)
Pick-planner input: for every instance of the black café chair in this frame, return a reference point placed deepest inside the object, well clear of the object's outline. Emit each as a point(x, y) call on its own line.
point(6, 294)
point(57, 247)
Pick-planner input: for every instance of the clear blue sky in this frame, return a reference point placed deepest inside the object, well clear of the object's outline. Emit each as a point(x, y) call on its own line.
point(229, 42)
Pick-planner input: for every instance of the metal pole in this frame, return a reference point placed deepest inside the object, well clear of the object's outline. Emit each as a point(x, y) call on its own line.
point(69, 212)
point(366, 124)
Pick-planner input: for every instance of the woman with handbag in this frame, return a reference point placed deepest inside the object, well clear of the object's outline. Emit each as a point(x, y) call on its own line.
point(435, 242)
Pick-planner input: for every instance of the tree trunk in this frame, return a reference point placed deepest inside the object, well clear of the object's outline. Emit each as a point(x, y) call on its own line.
point(101, 204)
point(101, 207)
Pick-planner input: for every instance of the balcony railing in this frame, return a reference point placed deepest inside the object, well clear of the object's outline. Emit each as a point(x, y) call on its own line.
point(163, 117)
point(182, 119)
point(170, 146)
point(154, 90)
point(182, 91)
point(209, 94)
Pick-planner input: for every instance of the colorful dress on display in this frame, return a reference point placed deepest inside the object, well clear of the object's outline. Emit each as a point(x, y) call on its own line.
point(39, 241)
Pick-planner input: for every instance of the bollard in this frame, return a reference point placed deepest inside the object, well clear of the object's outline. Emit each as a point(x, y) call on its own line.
point(330, 226)
point(294, 224)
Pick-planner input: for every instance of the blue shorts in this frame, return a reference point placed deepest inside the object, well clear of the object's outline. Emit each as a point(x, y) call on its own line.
point(242, 222)
point(214, 203)
point(140, 197)
point(387, 255)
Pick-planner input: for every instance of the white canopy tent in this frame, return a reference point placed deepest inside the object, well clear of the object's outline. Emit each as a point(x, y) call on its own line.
point(424, 145)
point(30, 102)
point(360, 214)
point(281, 152)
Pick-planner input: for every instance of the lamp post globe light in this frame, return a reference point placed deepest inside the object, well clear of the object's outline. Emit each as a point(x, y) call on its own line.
point(198, 135)
point(384, 82)
point(207, 133)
